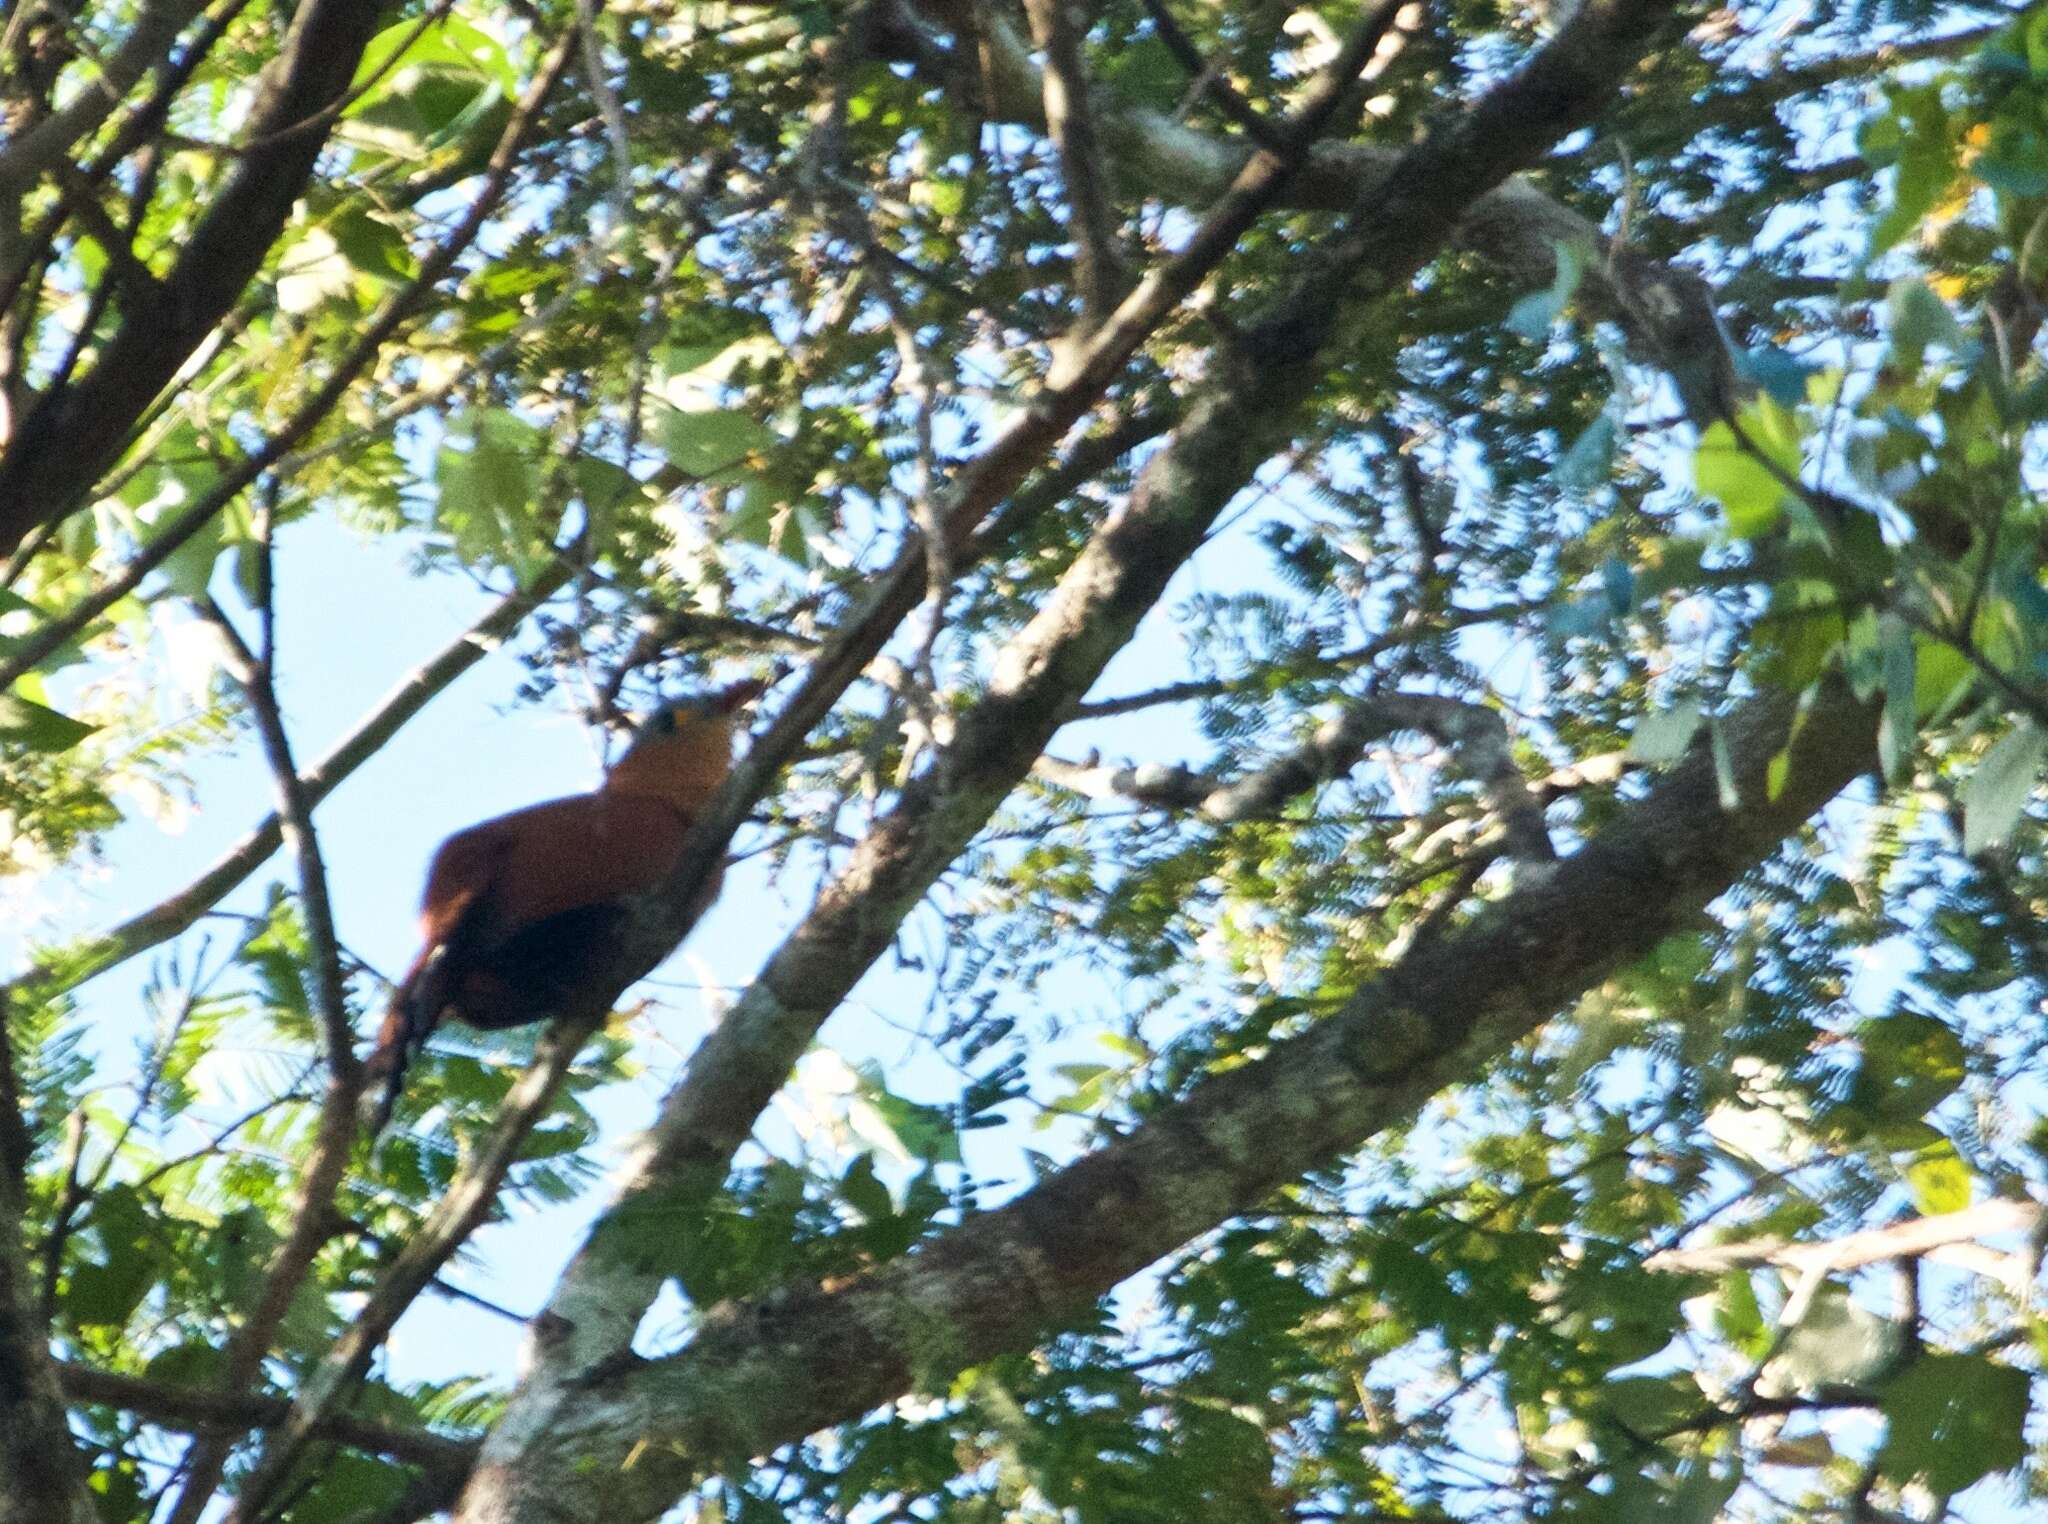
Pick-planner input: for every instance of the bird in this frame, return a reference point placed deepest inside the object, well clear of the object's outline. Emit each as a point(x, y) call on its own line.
point(520, 909)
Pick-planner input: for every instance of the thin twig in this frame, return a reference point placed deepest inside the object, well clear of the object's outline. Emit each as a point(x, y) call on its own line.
point(256, 678)
point(1208, 79)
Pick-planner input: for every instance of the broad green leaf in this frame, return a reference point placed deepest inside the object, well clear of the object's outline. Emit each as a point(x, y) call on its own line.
point(1952, 1420)
point(31, 726)
point(1738, 476)
point(1835, 1341)
point(1942, 677)
point(1999, 789)
point(1586, 465)
point(864, 1192)
point(1921, 151)
point(1940, 1181)
point(1662, 737)
point(1917, 318)
point(450, 44)
point(704, 443)
point(906, 1128)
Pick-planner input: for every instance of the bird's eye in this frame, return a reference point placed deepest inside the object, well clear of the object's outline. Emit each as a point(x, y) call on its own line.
point(668, 722)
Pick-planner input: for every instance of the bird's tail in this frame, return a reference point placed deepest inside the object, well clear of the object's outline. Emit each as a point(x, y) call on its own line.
point(415, 1011)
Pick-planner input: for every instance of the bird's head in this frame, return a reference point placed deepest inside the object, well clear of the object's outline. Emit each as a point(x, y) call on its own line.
point(683, 750)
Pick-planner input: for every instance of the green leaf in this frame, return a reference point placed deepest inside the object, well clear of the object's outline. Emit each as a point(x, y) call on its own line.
point(1662, 738)
point(904, 1126)
point(1146, 73)
point(1940, 1181)
point(865, 1193)
point(1701, 1495)
point(1532, 316)
point(1942, 677)
point(1737, 476)
point(1784, 377)
point(1952, 1420)
point(706, 442)
point(1999, 789)
point(1897, 736)
point(452, 45)
point(189, 569)
point(372, 246)
point(487, 490)
point(103, 1292)
point(1647, 1405)
point(1916, 318)
point(1921, 149)
point(30, 726)
point(1834, 1342)
point(1586, 465)
point(1738, 1317)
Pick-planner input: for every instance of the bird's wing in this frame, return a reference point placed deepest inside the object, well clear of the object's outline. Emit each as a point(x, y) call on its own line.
point(456, 913)
point(466, 877)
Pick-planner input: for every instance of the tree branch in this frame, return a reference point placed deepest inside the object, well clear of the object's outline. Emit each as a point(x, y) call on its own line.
point(42, 1466)
point(1227, 433)
point(765, 1372)
point(1070, 121)
point(195, 1411)
point(1515, 225)
point(1477, 736)
point(1914, 1237)
point(455, 1216)
point(43, 147)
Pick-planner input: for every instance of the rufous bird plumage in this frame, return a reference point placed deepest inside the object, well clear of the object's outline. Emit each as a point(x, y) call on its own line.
point(519, 910)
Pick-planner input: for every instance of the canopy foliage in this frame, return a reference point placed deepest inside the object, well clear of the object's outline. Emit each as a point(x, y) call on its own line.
point(1530, 1009)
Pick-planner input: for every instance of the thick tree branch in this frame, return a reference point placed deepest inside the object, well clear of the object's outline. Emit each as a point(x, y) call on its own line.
point(43, 147)
point(1665, 310)
point(975, 492)
point(1070, 120)
point(766, 1372)
point(42, 1469)
point(1227, 433)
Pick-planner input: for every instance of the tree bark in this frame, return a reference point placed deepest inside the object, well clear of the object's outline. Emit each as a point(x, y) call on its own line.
point(1399, 222)
point(41, 1471)
point(766, 1372)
